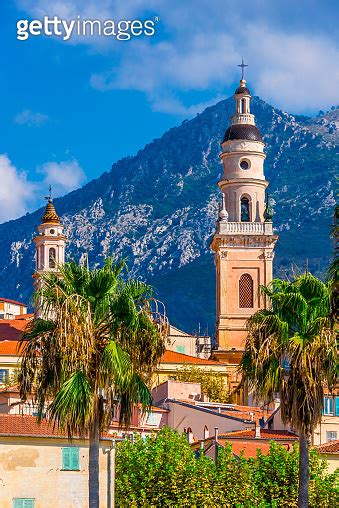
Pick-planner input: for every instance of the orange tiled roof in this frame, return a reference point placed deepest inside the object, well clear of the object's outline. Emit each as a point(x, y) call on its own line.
point(264, 433)
point(250, 448)
point(11, 329)
point(7, 300)
point(330, 447)
point(26, 425)
point(174, 357)
point(9, 347)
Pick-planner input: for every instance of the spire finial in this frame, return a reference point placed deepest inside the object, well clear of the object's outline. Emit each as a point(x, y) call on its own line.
point(242, 65)
point(223, 215)
point(49, 197)
point(50, 214)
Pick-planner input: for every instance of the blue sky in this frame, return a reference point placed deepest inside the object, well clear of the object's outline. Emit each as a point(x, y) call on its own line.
point(69, 109)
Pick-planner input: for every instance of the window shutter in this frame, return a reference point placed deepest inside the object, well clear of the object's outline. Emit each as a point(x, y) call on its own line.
point(337, 406)
point(152, 419)
point(66, 458)
point(28, 503)
point(23, 502)
point(75, 458)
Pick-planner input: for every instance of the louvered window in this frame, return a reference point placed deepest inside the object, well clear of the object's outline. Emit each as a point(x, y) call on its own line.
point(246, 291)
point(70, 459)
point(23, 502)
point(51, 258)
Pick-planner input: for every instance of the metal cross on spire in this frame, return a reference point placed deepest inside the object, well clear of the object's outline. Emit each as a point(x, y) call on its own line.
point(242, 65)
point(49, 197)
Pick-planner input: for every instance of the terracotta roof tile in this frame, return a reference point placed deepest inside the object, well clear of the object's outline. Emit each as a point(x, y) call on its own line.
point(174, 357)
point(11, 329)
point(9, 347)
point(25, 425)
point(264, 433)
point(330, 447)
point(250, 448)
point(13, 301)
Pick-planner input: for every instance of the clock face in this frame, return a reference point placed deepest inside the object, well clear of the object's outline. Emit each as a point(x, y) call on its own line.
point(244, 164)
point(52, 231)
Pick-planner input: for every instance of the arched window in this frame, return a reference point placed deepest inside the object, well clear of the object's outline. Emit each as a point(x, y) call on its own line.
point(51, 257)
point(245, 210)
point(243, 106)
point(246, 291)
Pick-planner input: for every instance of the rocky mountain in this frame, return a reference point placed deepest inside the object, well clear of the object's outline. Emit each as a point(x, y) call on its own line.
point(158, 209)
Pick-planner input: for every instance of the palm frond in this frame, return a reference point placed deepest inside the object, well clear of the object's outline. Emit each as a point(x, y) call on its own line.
point(72, 407)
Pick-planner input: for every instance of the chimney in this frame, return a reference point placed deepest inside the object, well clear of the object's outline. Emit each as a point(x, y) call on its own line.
point(190, 437)
point(216, 436)
point(257, 430)
point(201, 446)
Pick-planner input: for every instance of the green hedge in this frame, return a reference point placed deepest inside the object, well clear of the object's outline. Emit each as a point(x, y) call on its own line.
point(162, 471)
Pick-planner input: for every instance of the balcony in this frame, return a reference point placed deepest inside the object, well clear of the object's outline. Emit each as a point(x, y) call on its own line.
point(245, 228)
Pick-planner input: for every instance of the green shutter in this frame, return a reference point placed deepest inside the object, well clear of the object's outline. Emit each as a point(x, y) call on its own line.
point(66, 458)
point(337, 406)
point(70, 458)
point(75, 458)
point(23, 502)
point(180, 349)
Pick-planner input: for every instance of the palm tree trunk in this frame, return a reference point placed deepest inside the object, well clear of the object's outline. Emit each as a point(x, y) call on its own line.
point(93, 478)
point(303, 472)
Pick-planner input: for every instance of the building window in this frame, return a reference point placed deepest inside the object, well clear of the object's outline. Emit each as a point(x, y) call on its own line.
point(337, 405)
point(243, 106)
point(246, 291)
point(23, 502)
point(152, 419)
point(51, 257)
point(328, 406)
point(4, 374)
point(70, 458)
point(331, 436)
point(245, 164)
point(245, 209)
point(180, 349)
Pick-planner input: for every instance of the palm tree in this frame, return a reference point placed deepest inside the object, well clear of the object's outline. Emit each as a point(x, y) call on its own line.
point(79, 357)
point(291, 349)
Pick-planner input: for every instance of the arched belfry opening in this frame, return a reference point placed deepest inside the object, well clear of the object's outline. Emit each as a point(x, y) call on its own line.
point(245, 214)
point(52, 257)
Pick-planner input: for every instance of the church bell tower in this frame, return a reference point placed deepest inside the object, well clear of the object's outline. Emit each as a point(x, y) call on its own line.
point(243, 242)
point(49, 244)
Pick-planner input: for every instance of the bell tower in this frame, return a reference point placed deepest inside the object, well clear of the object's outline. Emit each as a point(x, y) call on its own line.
point(243, 242)
point(49, 243)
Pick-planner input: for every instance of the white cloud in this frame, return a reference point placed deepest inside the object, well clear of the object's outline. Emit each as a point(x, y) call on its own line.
point(62, 176)
point(295, 72)
point(19, 195)
point(293, 62)
point(27, 117)
point(16, 192)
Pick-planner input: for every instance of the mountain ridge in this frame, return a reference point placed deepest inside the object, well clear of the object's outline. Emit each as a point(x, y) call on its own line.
point(158, 208)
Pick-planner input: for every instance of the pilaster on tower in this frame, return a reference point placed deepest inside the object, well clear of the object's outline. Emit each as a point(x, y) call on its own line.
point(243, 242)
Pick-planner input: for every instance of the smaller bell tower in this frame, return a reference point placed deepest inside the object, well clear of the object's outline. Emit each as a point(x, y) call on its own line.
point(49, 243)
